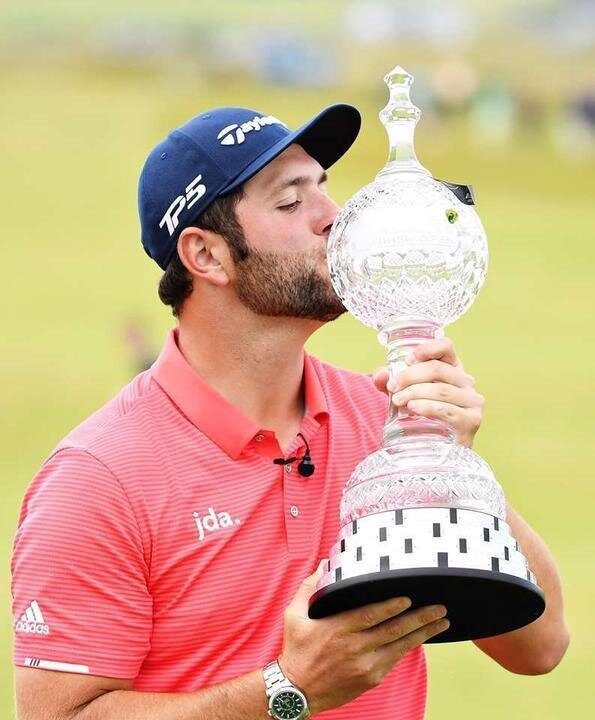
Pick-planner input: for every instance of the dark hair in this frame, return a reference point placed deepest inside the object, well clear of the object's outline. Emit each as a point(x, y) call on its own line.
point(220, 217)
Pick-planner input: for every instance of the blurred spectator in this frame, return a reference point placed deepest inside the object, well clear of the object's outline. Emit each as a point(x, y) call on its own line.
point(574, 130)
point(454, 83)
point(422, 92)
point(531, 114)
point(294, 62)
point(274, 56)
point(138, 346)
point(583, 106)
point(493, 114)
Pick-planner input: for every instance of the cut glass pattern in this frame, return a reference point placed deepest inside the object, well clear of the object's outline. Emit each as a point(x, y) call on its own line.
point(407, 257)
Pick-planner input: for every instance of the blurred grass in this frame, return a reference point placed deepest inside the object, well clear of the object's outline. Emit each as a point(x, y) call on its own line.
point(24, 15)
point(73, 141)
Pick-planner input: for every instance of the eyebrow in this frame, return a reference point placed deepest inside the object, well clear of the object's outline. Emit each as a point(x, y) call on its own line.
point(296, 182)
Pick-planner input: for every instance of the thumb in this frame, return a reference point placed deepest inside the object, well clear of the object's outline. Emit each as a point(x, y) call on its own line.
point(308, 587)
point(380, 379)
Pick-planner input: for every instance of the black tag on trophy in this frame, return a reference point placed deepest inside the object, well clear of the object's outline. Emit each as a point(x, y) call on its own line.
point(463, 192)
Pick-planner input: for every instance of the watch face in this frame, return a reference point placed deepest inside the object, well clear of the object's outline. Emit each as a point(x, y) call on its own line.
point(288, 705)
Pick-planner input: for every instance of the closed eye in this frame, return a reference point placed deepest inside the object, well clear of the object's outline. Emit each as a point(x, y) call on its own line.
point(290, 207)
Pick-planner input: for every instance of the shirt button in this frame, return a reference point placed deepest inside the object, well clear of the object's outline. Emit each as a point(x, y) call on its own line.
point(288, 468)
point(259, 437)
point(294, 511)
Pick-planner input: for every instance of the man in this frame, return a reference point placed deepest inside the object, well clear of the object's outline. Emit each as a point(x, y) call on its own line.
point(163, 559)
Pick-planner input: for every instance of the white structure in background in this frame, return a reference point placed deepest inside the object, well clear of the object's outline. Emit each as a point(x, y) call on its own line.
point(443, 23)
point(369, 22)
point(566, 26)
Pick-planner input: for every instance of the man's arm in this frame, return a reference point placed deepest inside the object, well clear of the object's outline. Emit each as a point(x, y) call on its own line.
point(537, 648)
point(48, 695)
point(332, 660)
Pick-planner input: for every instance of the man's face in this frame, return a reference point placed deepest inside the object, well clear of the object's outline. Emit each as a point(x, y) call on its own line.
point(286, 216)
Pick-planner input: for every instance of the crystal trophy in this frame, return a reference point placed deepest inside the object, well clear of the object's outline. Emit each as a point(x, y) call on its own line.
point(421, 517)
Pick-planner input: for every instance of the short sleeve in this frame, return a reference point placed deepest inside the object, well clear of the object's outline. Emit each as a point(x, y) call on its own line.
point(79, 573)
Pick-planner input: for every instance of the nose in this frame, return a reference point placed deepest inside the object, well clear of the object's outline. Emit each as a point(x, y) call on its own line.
point(327, 211)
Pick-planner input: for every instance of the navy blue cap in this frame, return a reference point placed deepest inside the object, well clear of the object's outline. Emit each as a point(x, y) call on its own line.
point(214, 153)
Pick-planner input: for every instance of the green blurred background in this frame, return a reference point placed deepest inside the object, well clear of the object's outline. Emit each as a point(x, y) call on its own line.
point(86, 89)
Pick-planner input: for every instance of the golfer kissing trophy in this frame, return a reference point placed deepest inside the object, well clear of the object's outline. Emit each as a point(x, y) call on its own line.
point(422, 517)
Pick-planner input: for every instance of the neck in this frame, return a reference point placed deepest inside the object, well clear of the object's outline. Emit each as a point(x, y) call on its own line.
point(254, 362)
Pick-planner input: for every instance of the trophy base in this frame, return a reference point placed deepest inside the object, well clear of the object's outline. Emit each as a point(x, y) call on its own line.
point(479, 603)
point(463, 559)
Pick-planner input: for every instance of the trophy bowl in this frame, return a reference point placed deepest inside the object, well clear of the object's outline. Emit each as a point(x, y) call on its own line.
point(421, 517)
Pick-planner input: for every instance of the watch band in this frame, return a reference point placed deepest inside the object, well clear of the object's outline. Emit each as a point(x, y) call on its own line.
point(274, 679)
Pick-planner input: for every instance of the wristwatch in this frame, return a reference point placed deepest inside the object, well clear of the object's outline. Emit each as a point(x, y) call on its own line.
point(286, 702)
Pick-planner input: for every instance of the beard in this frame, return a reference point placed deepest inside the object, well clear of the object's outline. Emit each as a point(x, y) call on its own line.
point(287, 285)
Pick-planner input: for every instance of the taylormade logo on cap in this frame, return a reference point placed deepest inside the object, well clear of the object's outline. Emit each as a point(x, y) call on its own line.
point(227, 136)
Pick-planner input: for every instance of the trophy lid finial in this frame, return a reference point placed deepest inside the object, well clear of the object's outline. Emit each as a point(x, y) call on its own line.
point(400, 117)
point(398, 74)
point(399, 106)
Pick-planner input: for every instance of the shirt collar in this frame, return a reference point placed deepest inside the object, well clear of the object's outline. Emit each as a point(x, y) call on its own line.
point(221, 421)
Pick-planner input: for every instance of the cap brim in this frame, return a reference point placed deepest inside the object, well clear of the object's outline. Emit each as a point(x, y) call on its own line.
point(326, 138)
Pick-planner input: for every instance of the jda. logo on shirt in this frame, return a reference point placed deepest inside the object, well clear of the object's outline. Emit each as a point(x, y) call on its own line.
point(213, 521)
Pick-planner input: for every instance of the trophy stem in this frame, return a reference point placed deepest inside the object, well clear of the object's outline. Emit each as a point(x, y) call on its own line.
point(403, 428)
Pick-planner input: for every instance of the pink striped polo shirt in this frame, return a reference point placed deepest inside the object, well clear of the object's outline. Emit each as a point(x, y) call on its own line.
point(159, 542)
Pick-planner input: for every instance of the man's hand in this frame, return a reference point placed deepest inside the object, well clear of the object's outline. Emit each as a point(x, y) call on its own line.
point(336, 659)
point(436, 385)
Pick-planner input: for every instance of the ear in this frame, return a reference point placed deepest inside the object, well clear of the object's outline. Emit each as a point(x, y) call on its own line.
point(205, 255)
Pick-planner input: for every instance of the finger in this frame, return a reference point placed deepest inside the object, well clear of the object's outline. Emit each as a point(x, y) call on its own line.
point(442, 392)
point(438, 349)
point(299, 603)
point(404, 624)
point(393, 652)
point(460, 418)
point(433, 371)
point(373, 614)
point(380, 379)
point(465, 421)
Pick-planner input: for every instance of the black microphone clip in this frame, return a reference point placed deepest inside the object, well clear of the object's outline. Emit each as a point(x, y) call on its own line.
point(305, 467)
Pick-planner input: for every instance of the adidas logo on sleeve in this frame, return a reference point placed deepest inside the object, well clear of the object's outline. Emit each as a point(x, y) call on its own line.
point(32, 622)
